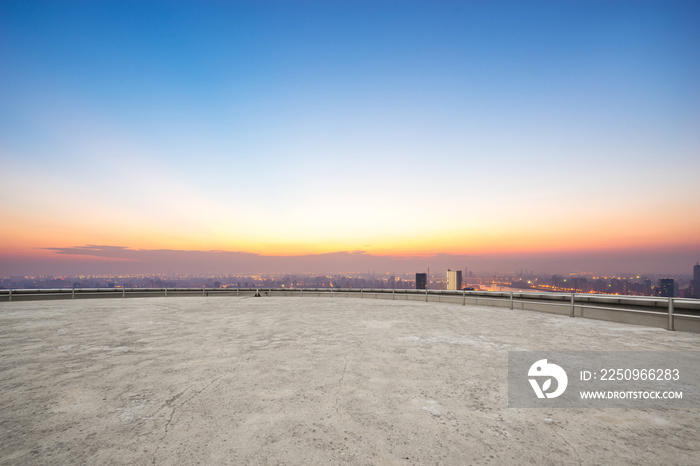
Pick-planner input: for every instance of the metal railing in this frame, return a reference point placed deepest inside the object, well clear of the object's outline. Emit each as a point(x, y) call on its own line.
point(645, 307)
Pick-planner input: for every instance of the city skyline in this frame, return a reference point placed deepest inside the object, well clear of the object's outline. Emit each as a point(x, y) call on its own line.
point(676, 285)
point(156, 137)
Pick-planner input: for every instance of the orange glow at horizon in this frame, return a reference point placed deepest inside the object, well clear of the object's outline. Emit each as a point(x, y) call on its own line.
point(28, 230)
point(34, 239)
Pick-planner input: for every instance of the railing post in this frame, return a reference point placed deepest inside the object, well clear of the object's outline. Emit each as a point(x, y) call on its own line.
point(511, 300)
point(10, 295)
point(361, 293)
point(426, 294)
point(204, 293)
point(301, 292)
point(166, 293)
point(123, 292)
point(72, 293)
point(393, 294)
point(670, 314)
point(464, 297)
point(571, 314)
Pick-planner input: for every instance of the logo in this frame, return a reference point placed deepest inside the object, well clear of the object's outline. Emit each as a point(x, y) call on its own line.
point(544, 369)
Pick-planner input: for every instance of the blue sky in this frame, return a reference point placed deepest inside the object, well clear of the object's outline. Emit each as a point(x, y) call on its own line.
point(539, 119)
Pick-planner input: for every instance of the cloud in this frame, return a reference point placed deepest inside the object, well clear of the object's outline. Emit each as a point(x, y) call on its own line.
point(108, 259)
point(217, 261)
point(112, 252)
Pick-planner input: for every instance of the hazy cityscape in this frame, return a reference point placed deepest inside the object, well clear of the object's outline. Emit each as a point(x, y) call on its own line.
point(646, 284)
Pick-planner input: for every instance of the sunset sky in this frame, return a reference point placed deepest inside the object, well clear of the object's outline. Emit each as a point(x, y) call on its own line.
point(176, 136)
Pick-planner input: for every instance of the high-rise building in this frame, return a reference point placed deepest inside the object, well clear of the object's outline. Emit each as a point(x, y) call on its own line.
point(454, 279)
point(421, 281)
point(695, 283)
point(666, 287)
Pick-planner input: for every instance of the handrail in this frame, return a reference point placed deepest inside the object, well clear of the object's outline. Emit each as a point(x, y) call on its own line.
point(648, 305)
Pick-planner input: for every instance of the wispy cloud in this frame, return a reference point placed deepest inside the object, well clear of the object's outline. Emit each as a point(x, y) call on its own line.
point(102, 259)
point(217, 261)
point(114, 252)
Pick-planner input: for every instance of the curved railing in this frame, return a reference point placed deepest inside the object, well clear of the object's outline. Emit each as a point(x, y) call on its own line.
point(670, 313)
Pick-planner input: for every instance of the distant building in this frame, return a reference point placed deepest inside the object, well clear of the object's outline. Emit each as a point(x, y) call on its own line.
point(454, 279)
point(391, 282)
point(421, 281)
point(666, 287)
point(695, 283)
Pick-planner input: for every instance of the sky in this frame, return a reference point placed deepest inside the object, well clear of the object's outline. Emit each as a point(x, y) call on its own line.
point(280, 136)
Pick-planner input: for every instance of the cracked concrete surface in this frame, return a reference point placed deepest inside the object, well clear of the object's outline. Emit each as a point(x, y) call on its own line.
point(170, 403)
point(307, 381)
point(340, 382)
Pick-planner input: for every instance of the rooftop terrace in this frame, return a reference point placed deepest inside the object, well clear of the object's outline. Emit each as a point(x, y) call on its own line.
point(281, 380)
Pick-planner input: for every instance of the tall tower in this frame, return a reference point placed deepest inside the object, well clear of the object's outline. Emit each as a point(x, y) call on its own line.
point(454, 279)
point(421, 281)
point(695, 283)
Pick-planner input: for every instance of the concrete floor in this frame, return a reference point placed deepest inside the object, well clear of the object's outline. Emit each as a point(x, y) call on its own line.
point(307, 381)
